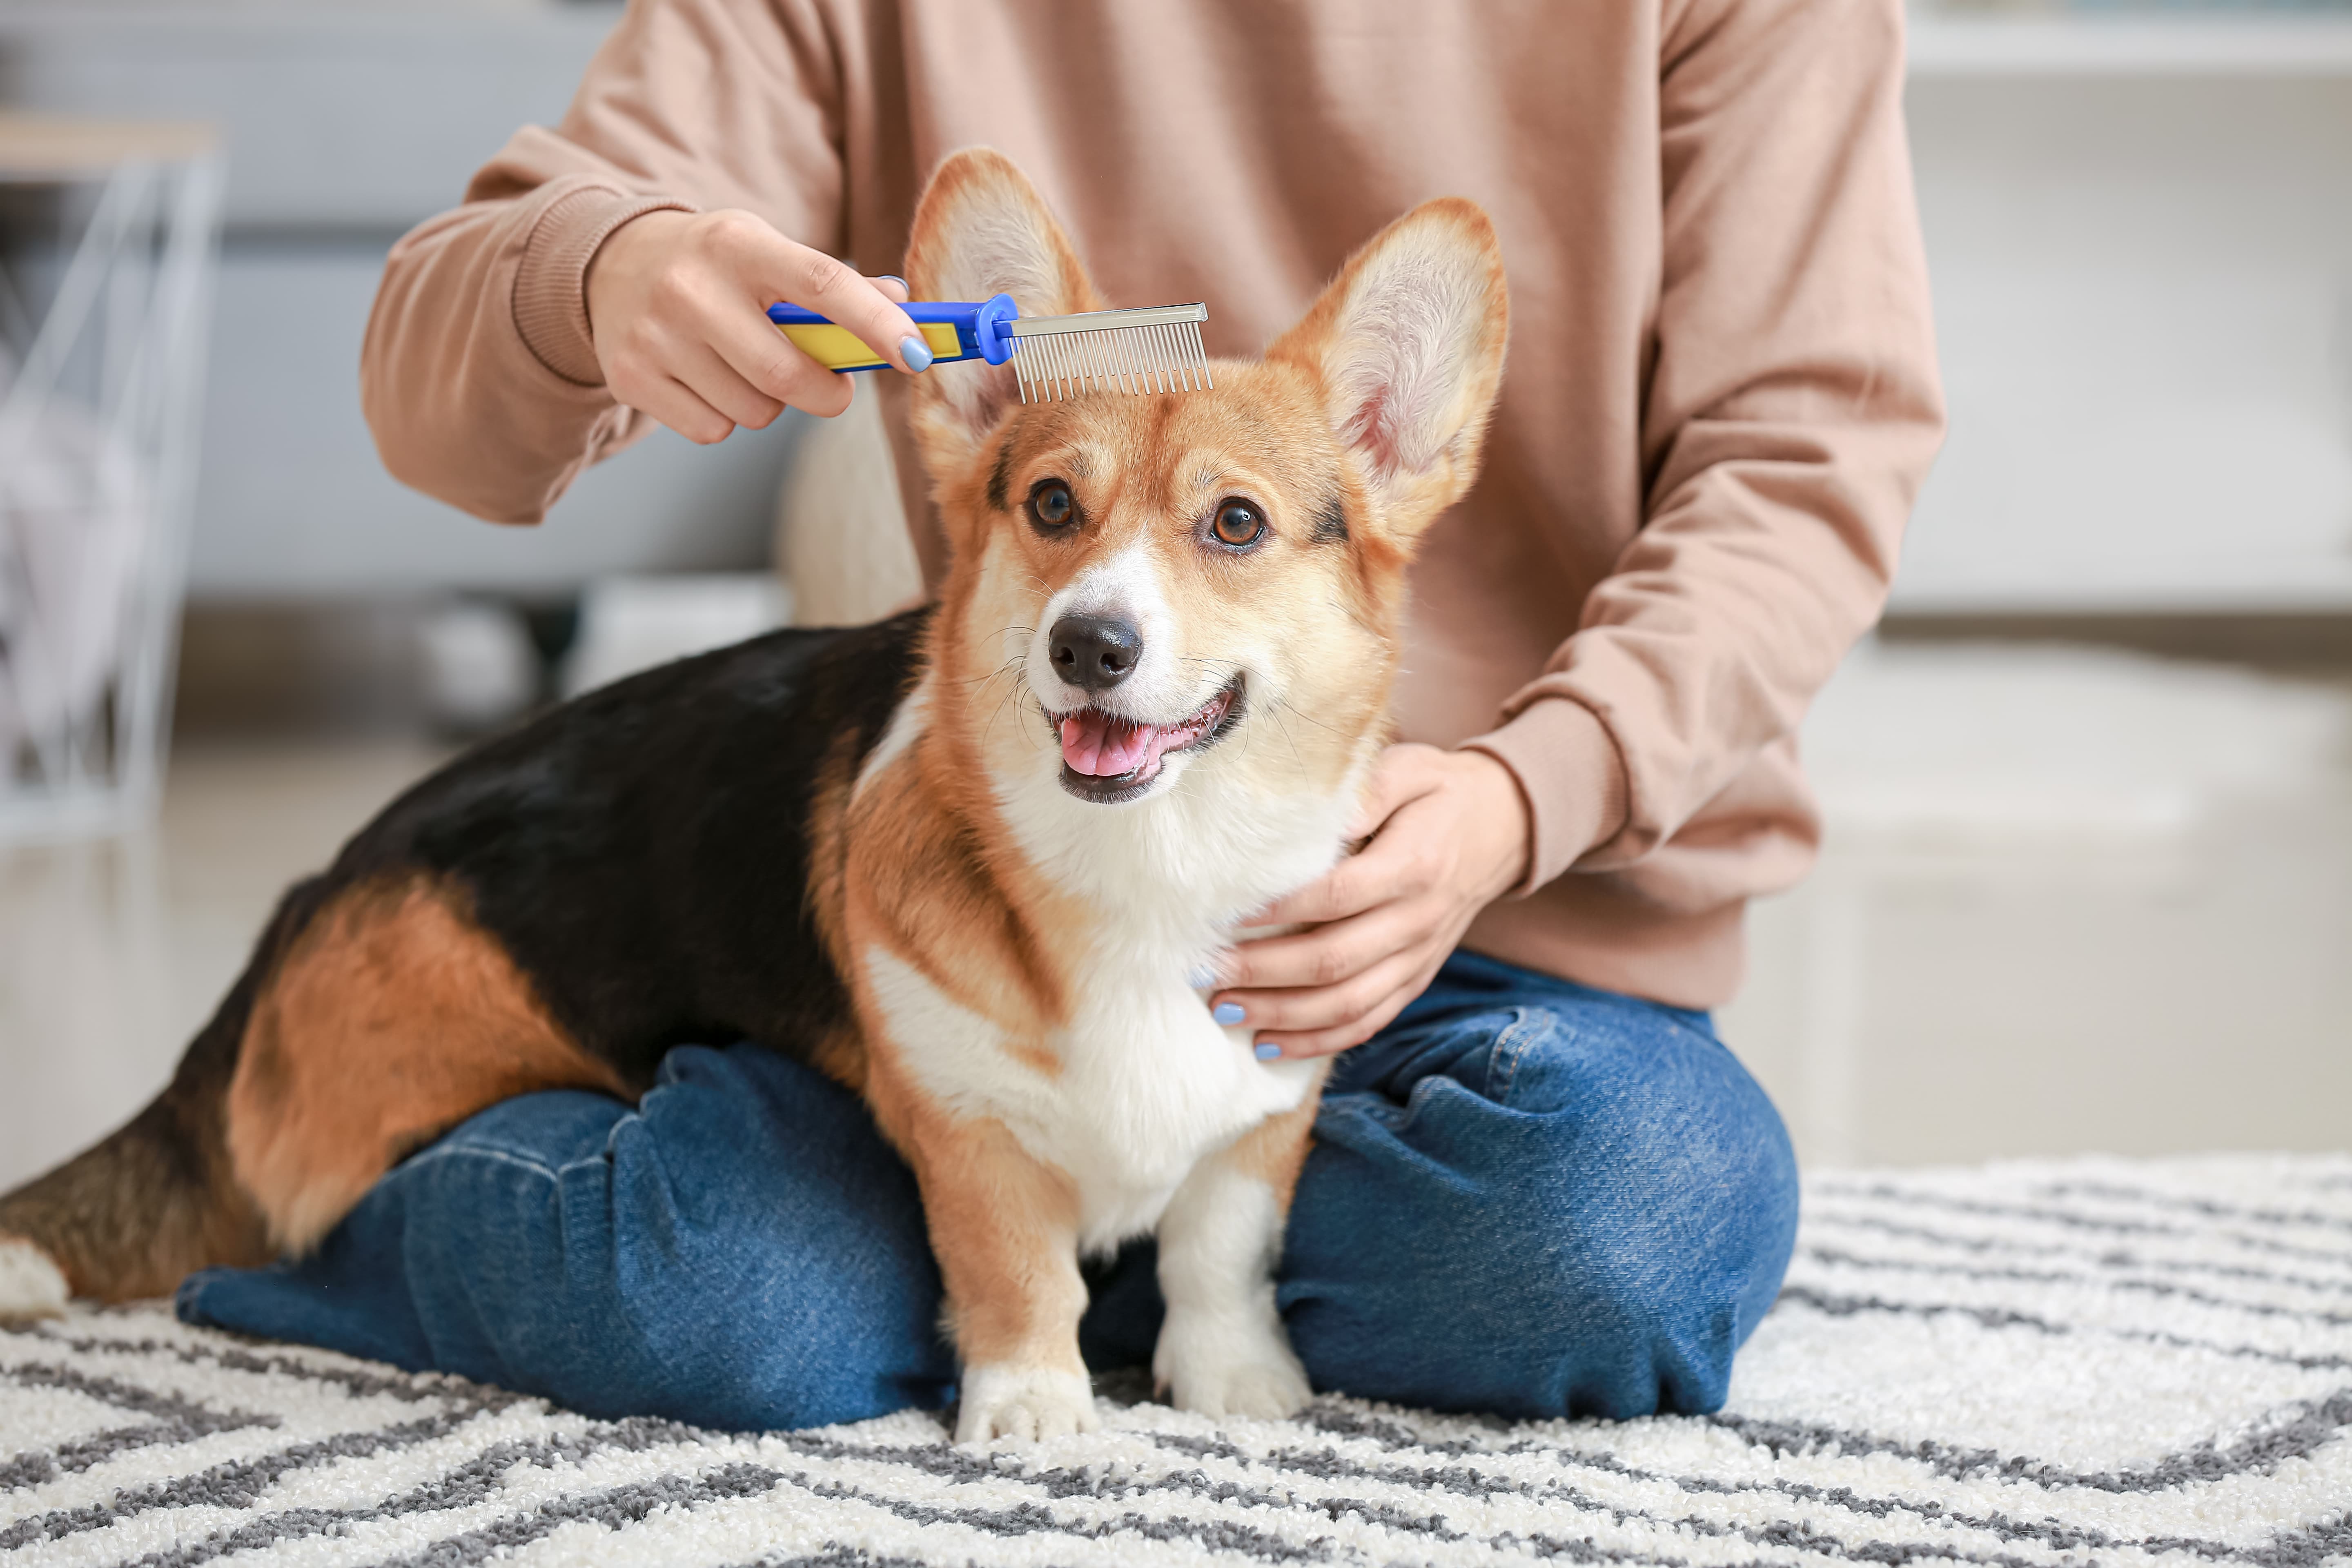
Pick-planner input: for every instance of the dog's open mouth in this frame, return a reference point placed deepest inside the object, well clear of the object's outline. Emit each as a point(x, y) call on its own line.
point(1106, 758)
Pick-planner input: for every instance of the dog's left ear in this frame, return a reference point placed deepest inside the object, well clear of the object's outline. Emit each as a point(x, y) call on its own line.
point(1407, 345)
point(981, 230)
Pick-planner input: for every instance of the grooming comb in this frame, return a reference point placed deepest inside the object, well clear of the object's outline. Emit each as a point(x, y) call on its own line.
point(1152, 350)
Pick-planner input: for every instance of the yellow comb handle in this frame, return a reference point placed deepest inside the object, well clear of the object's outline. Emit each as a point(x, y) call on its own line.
point(839, 348)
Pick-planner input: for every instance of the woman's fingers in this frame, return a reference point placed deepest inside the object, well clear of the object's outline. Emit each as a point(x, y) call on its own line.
point(1327, 1005)
point(1388, 867)
point(1405, 774)
point(841, 294)
point(1346, 1037)
point(677, 307)
point(1329, 953)
point(1391, 864)
point(668, 359)
point(720, 384)
point(768, 362)
point(676, 405)
point(1323, 1022)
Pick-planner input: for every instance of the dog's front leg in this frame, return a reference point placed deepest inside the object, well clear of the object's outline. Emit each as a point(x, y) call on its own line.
point(1004, 1228)
point(1223, 1351)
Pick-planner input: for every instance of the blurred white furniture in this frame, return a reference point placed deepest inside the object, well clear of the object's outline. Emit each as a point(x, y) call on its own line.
point(631, 623)
point(840, 527)
point(2065, 838)
point(99, 398)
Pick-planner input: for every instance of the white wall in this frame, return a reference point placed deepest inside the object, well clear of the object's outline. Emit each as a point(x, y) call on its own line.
point(345, 124)
point(2141, 233)
point(2141, 238)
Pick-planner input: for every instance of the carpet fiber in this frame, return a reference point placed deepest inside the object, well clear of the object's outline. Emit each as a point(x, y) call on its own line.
point(2085, 1361)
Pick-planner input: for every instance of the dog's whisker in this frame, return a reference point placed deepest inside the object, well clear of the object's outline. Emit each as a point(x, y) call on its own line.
point(989, 729)
point(973, 698)
point(1307, 716)
point(1275, 710)
point(1008, 667)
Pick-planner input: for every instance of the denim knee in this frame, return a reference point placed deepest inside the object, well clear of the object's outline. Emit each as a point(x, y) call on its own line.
point(1673, 1212)
point(1585, 1213)
point(742, 1250)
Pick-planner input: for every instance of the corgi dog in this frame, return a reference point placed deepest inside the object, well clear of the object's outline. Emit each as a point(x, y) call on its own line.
point(975, 862)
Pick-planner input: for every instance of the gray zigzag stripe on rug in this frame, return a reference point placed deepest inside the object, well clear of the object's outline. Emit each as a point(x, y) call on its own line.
point(2025, 1366)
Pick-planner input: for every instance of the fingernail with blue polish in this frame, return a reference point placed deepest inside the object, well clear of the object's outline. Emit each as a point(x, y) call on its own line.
point(1228, 1013)
point(893, 277)
point(1268, 1052)
point(916, 352)
point(1202, 976)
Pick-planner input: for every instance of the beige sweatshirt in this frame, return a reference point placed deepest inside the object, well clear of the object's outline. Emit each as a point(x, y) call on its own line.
point(1720, 397)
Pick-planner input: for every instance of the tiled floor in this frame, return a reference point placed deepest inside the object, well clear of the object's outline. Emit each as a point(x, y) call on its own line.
point(2067, 905)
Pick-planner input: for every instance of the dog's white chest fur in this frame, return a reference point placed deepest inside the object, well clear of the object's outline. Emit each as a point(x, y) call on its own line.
point(1147, 1083)
point(1143, 1082)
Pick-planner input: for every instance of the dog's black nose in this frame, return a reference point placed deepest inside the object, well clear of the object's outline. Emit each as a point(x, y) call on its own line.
point(1095, 653)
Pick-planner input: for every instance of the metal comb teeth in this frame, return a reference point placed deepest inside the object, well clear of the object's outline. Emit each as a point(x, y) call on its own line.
point(1154, 350)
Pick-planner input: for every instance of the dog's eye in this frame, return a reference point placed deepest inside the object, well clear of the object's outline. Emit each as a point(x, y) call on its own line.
point(1050, 504)
point(1238, 524)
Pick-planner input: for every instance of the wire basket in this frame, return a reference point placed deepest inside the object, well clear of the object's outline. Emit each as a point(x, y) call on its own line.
point(111, 233)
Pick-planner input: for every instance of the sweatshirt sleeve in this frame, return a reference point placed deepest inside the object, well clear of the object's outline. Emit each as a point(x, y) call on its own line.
point(1791, 410)
point(477, 375)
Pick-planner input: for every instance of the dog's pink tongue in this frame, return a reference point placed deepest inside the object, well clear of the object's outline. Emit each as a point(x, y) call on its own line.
point(1094, 743)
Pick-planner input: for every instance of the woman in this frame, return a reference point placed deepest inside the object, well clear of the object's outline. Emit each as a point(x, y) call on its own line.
point(1541, 1186)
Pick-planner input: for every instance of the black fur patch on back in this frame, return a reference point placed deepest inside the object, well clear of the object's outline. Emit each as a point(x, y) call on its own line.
point(642, 852)
point(1331, 526)
point(1001, 477)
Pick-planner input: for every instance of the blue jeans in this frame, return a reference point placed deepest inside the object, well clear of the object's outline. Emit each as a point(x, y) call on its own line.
point(1526, 1197)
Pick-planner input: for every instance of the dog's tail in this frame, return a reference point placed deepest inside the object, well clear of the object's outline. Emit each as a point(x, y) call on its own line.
point(156, 1198)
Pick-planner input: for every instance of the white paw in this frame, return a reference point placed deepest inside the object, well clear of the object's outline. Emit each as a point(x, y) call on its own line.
point(30, 1285)
point(1024, 1402)
point(1227, 1365)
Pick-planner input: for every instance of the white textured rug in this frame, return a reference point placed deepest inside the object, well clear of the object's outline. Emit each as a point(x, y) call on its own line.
point(2085, 1361)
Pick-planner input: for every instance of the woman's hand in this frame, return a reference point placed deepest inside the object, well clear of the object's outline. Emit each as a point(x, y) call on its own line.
point(1450, 835)
point(677, 307)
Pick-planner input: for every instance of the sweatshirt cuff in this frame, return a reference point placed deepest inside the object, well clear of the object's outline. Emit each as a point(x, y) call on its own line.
point(1574, 780)
point(551, 288)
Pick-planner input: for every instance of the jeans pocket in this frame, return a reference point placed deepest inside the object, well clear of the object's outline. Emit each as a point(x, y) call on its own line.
point(1509, 1049)
point(1487, 1073)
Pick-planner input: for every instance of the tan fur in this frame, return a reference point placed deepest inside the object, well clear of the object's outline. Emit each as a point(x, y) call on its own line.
point(1003, 1227)
point(932, 876)
point(75, 1215)
point(1276, 1150)
point(393, 1017)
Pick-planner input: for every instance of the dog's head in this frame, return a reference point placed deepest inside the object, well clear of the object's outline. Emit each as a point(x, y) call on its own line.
point(1150, 593)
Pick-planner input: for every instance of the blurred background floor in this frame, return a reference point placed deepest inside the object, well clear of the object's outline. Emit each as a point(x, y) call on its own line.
point(2070, 899)
point(112, 952)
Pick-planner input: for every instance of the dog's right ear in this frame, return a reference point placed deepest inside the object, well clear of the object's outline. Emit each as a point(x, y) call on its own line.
point(981, 230)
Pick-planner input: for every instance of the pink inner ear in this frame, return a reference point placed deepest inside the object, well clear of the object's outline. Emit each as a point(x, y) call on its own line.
point(1371, 433)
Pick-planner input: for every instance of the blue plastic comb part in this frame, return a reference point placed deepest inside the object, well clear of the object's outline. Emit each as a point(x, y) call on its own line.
point(979, 332)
